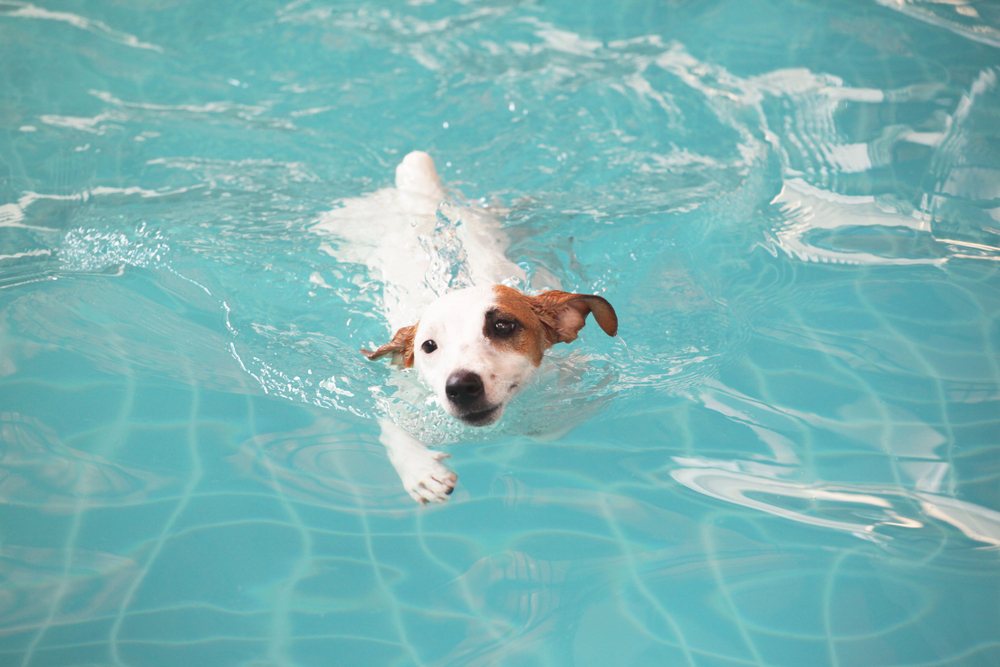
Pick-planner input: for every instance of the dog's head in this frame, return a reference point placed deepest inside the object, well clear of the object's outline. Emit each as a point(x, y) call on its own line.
point(477, 347)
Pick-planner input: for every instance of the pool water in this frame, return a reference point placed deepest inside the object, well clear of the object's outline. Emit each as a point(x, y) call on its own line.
point(790, 456)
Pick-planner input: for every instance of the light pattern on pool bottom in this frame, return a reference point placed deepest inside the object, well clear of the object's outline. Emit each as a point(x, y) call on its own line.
point(201, 526)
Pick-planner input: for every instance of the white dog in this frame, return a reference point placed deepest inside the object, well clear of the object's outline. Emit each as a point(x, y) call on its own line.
point(475, 347)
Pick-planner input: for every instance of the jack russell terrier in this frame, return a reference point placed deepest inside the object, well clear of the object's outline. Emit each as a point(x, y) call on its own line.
point(475, 347)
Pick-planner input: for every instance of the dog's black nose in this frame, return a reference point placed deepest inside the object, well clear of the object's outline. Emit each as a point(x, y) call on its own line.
point(464, 388)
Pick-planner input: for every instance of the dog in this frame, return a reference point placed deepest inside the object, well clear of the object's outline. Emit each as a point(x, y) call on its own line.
point(473, 340)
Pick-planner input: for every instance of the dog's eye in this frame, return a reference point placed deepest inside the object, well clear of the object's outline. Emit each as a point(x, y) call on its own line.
point(504, 327)
point(428, 346)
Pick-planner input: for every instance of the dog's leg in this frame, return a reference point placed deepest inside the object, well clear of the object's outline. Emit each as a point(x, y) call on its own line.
point(424, 476)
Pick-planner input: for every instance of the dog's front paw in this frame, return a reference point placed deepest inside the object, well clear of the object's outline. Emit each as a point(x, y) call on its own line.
point(425, 478)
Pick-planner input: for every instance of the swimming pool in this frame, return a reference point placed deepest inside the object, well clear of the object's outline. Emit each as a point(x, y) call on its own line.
point(794, 458)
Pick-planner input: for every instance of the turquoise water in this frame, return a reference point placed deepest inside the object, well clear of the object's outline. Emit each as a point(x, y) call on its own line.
point(792, 455)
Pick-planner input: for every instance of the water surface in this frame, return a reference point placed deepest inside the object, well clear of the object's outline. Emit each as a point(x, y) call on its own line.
point(790, 456)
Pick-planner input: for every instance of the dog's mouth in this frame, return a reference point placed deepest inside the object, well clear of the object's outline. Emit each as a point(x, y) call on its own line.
point(481, 417)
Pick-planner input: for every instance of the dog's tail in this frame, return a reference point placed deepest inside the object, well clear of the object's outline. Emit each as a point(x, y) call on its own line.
point(416, 175)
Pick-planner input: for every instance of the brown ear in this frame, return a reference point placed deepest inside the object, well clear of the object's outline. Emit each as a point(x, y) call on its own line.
point(564, 314)
point(400, 347)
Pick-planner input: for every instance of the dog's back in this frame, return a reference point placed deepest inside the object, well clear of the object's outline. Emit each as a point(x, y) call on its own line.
point(416, 242)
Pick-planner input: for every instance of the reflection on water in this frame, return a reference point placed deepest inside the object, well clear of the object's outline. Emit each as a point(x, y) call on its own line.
point(862, 511)
point(965, 203)
point(972, 19)
point(922, 495)
point(822, 226)
point(27, 10)
point(835, 199)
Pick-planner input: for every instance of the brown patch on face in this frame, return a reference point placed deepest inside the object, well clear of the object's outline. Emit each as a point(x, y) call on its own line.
point(528, 337)
point(555, 317)
point(400, 347)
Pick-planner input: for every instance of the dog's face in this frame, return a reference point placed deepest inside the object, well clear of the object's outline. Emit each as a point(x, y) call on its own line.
point(477, 347)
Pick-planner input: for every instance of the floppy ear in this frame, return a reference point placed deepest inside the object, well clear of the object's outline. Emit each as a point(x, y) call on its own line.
point(564, 314)
point(400, 347)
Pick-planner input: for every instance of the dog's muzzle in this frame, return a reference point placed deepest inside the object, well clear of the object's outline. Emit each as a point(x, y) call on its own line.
point(467, 394)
